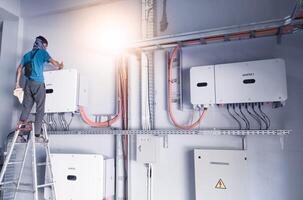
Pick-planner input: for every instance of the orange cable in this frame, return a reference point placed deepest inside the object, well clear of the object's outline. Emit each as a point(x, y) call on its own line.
point(107, 123)
point(172, 118)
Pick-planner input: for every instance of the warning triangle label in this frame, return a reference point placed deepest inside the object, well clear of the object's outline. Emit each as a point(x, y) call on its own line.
point(220, 185)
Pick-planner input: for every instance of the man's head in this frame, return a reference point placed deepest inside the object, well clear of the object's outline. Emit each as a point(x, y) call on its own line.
point(40, 43)
point(43, 39)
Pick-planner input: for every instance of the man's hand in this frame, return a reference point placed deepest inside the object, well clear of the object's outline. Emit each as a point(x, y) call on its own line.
point(17, 85)
point(60, 66)
point(56, 64)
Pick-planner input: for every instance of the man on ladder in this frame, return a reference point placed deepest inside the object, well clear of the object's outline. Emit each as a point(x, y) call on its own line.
point(34, 91)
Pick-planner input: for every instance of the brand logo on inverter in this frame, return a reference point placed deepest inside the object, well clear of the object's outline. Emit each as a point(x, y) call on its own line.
point(248, 74)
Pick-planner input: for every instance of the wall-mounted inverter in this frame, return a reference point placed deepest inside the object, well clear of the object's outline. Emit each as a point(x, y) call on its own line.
point(256, 81)
point(202, 85)
point(243, 82)
point(62, 91)
point(77, 176)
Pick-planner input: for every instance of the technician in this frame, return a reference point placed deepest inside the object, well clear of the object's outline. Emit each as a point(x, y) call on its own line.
point(34, 90)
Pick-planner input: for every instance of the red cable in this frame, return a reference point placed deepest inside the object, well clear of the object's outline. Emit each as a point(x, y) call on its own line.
point(172, 118)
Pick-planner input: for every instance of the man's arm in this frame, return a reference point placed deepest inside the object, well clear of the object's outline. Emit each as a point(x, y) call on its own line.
point(18, 75)
point(56, 64)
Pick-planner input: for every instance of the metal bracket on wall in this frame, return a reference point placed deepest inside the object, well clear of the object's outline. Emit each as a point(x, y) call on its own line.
point(287, 25)
point(210, 132)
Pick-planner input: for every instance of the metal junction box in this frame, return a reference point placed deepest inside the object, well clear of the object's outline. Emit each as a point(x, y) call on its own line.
point(147, 149)
point(202, 85)
point(78, 176)
point(255, 81)
point(221, 174)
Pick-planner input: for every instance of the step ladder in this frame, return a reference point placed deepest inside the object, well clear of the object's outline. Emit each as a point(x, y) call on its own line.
point(12, 173)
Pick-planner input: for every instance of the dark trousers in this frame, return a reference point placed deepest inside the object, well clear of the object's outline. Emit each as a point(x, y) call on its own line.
point(34, 92)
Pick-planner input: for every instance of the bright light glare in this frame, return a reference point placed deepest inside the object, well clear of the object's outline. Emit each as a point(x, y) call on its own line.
point(114, 40)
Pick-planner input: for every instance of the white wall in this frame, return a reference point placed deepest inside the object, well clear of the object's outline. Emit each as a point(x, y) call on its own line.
point(7, 82)
point(274, 173)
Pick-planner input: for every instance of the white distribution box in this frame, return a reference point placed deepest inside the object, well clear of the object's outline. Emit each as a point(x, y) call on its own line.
point(221, 174)
point(61, 90)
point(202, 85)
point(255, 81)
point(147, 149)
point(78, 176)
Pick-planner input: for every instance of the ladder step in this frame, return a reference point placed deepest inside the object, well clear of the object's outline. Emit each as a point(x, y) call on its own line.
point(14, 163)
point(45, 185)
point(26, 184)
point(15, 190)
point(42, 164)
point(8, 183)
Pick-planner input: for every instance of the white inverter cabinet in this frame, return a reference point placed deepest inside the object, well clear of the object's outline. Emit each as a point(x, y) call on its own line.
point(62, 91)
point(242, 82)
point(78, 176)
point(202, 85)
point(254, 81)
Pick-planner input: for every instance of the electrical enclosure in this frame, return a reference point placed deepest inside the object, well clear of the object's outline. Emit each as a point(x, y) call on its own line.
point(256, 81)
point(78, 176)
point(220, 174)
point(202, 85)
point(62, 91)
point(147, 149)
point(243, 82)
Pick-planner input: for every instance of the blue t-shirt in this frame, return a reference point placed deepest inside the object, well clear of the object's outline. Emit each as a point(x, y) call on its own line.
point(38, 61)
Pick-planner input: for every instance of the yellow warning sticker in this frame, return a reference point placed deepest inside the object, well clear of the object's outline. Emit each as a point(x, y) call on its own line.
point(220, 185)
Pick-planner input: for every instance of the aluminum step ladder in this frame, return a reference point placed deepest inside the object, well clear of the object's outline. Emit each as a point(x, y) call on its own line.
point(13, 183)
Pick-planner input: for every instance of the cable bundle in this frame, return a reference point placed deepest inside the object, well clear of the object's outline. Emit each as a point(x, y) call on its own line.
point(169, 97)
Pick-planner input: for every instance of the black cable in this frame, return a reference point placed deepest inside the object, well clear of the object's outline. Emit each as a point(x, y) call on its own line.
point(60, 121)
point(264, 115)
point(241, 117)
point(259, 116)
point(54, 122)
point(299, 26)
point(245, 118)
point(68, 126)
point(48, 122)
point(253, 116)
point(64, 121)
point(239, 124)
point(45, 121)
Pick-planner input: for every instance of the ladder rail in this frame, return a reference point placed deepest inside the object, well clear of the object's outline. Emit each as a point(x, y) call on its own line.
point(48, 161)
point(34, 162)
point(21, 171)
point(8, 157)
